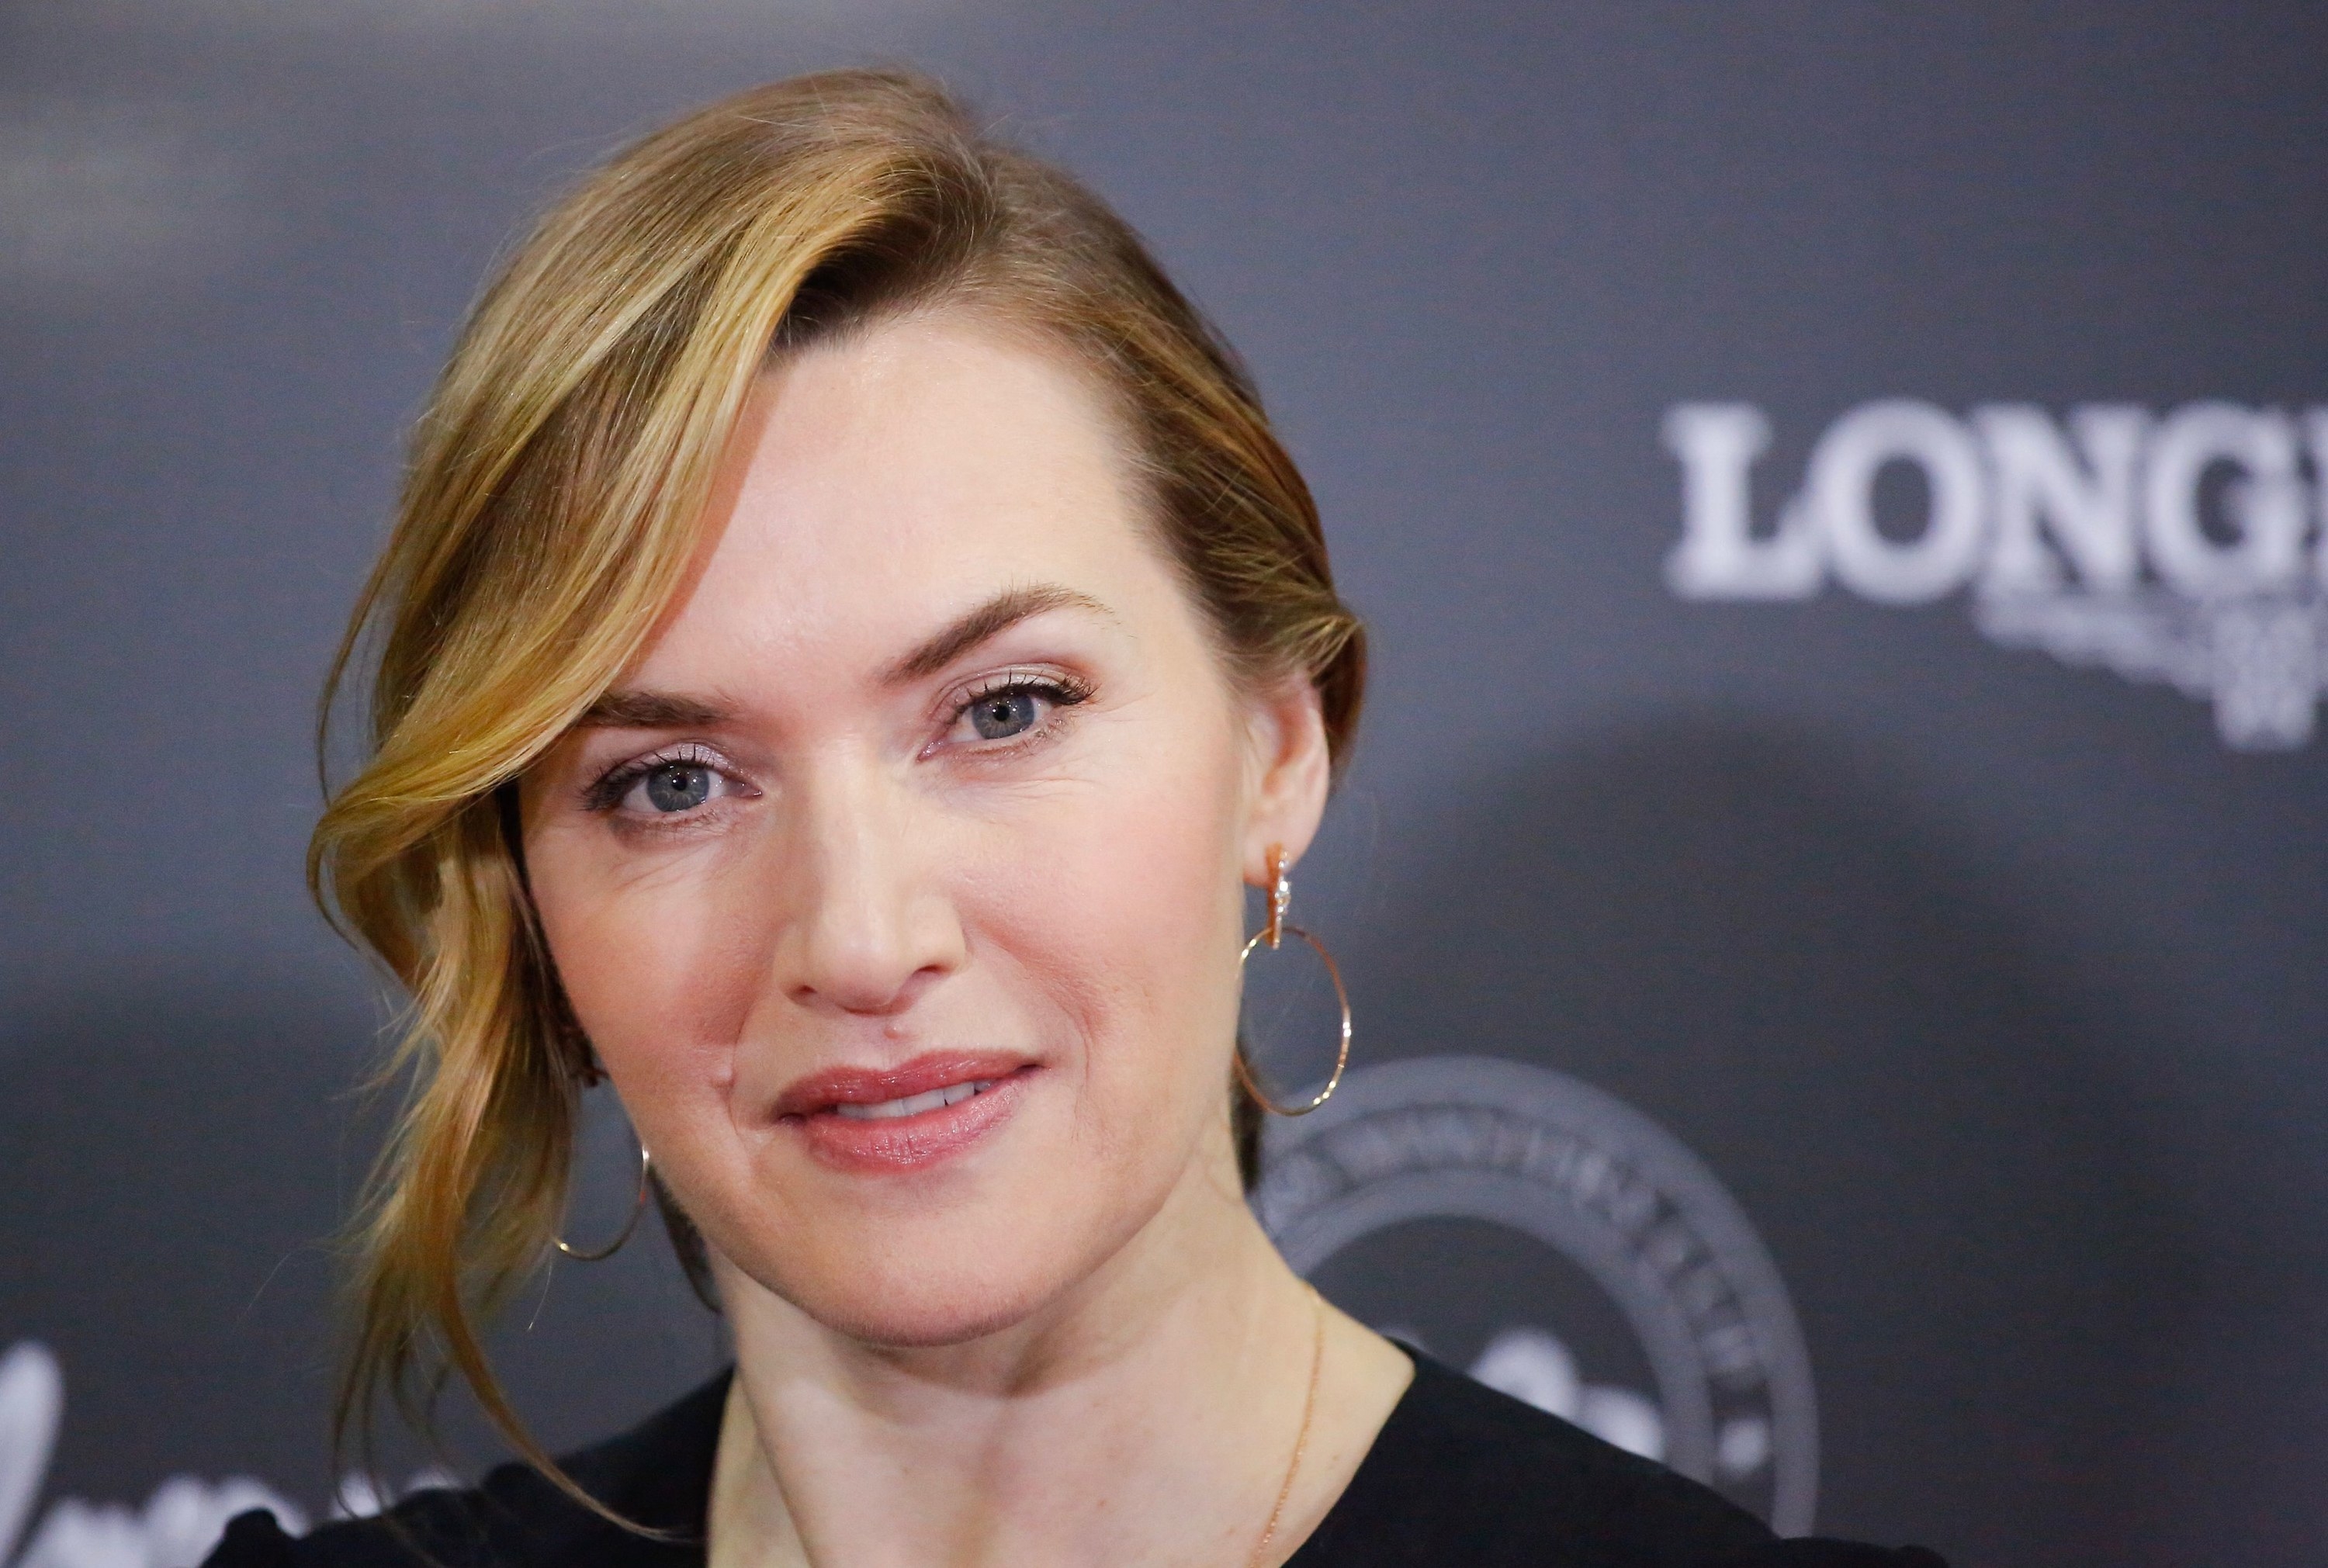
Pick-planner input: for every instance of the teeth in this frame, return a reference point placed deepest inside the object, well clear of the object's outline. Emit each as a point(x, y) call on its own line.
point(915, 1104)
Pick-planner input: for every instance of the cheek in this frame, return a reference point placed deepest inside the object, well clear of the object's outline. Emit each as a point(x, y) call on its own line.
point(1135, 932)
point(652, 966)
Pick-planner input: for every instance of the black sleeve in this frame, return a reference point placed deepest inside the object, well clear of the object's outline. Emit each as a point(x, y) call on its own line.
point(252, 1540)
point(1808, 1551)
point(437, 1528)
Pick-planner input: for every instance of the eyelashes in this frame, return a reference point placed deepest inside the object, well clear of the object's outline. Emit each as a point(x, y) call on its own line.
point(1004, 711)
point(611, 788)
point(997, 716)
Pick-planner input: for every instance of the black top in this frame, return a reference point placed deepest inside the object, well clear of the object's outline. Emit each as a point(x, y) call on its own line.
point(1460, 1477)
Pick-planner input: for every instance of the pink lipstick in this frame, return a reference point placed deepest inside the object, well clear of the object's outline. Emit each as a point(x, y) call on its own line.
point(904, 1118)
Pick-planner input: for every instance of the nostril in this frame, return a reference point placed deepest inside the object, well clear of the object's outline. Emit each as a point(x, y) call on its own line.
point(862, 942)
point(868, 995)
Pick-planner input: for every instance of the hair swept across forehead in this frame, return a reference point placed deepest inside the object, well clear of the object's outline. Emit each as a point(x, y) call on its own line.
point(557, 485)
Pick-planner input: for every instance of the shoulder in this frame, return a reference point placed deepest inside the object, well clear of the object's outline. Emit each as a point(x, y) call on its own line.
point(1461, 1473)
point(657, 1475)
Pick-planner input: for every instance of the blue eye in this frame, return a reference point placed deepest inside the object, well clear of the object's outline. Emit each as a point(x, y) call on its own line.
point(999, 714)
point(676, 787)
point(1013, 706)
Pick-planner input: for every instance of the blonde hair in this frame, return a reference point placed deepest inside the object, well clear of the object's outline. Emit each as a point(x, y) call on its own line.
point(558, 484)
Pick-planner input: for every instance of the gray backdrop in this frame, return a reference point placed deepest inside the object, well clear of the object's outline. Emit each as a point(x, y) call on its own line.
point(1989, 983)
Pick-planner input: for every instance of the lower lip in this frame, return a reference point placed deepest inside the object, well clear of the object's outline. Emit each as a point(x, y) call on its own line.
point(893, 1144)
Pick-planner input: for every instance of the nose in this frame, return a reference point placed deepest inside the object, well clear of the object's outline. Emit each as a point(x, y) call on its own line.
point(871, 927)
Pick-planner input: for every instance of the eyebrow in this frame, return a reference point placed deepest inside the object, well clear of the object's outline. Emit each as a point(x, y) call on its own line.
point(669, 711)
point(651, 710)
point(996, 615)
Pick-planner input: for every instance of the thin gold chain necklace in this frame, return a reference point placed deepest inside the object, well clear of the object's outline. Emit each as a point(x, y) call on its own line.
point(1301, 1438)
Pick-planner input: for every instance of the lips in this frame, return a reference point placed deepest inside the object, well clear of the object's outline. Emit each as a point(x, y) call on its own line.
point(904, 1118)
point(913, 1104)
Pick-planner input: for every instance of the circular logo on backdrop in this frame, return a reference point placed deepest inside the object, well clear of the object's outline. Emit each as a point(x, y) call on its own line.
point(1566, 1249)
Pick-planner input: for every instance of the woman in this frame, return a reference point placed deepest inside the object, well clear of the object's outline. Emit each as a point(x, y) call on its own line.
point(849, 639)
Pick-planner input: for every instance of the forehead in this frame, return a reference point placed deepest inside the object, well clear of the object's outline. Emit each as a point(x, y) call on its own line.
point(890, 479)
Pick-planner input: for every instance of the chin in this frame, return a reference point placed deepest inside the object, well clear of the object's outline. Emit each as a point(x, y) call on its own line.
point(932, 1320)
point(937, 1282)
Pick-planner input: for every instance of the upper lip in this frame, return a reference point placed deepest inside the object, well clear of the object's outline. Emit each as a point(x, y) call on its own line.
point(821, 1091)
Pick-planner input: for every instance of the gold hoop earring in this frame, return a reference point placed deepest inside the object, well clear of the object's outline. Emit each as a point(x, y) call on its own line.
point(1281, 896)
point(638, 1207)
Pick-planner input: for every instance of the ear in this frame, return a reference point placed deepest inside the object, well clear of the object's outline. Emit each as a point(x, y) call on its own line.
point(1286, 730)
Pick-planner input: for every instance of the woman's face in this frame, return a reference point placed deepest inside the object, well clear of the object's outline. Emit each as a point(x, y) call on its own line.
point(897, 884)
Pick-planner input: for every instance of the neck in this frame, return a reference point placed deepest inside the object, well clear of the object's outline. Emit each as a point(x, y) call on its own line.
point(1149, 1415)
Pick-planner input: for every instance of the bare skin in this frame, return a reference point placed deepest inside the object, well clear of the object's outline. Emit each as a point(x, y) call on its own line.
point(935, 787)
